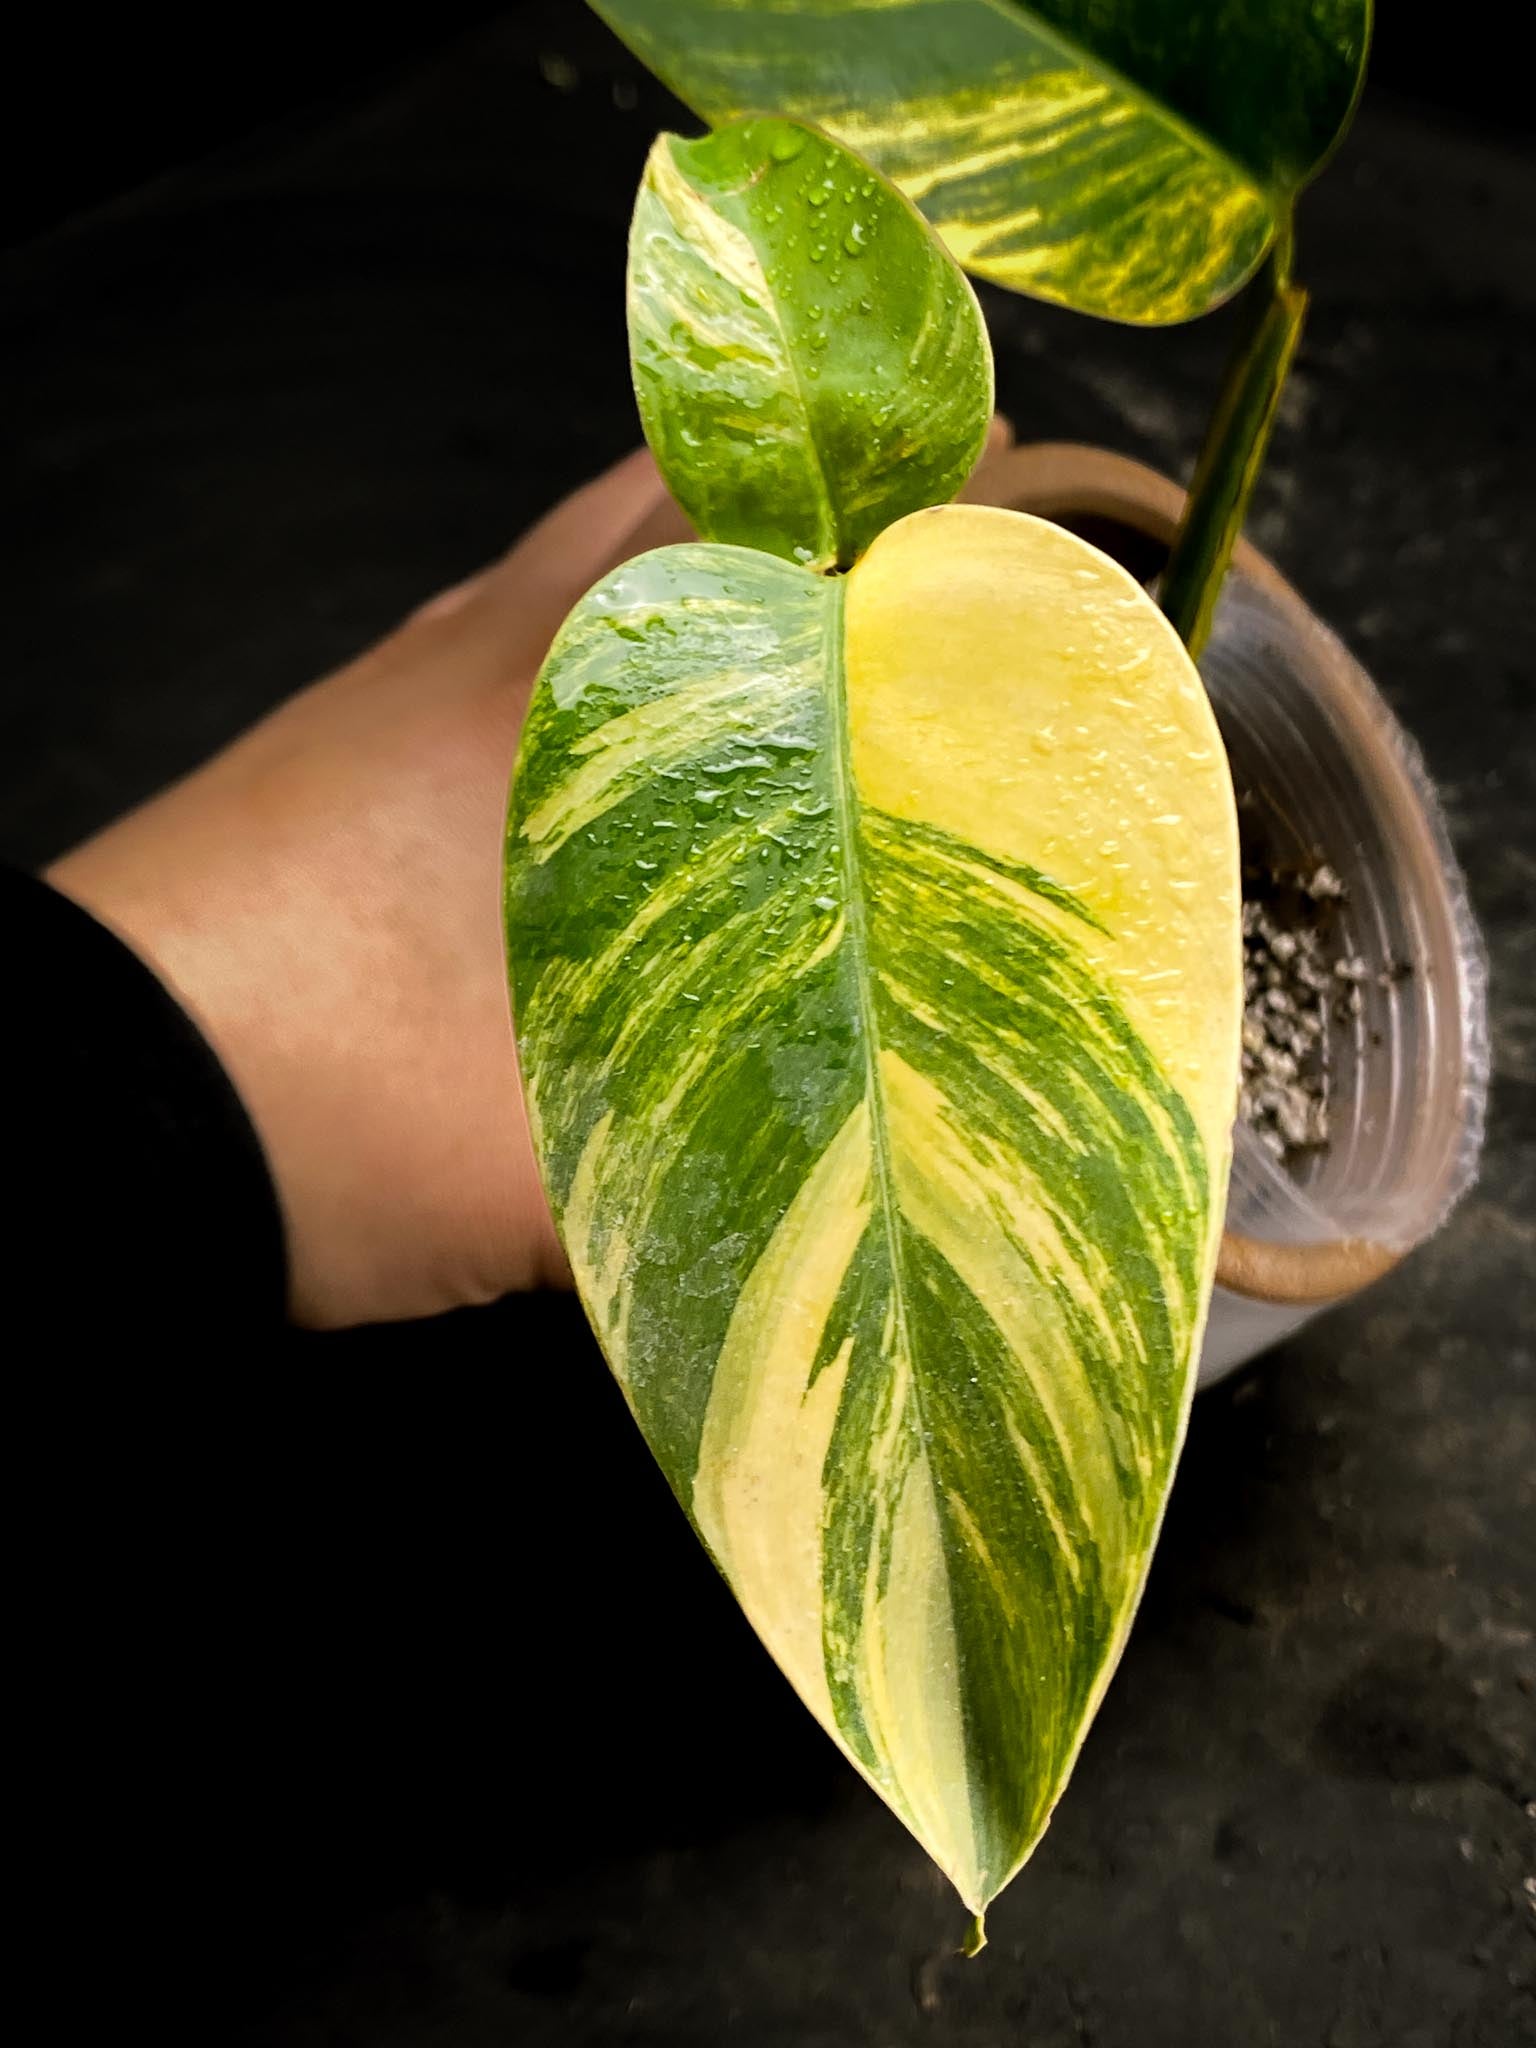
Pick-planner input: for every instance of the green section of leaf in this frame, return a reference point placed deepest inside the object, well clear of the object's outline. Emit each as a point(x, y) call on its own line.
point(891, 1222)
point(809, 362)
point(1124, 157)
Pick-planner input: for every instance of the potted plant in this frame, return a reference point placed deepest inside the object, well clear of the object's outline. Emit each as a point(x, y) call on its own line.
point(1142, 163)
point(875, 933)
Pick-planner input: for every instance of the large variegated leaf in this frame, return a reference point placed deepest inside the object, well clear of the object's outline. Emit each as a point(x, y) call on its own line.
point(874, 953)
point(1130, 158)
point(810, 364)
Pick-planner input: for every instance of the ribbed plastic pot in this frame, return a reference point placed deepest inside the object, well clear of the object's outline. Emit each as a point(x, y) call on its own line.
point(1336, 779)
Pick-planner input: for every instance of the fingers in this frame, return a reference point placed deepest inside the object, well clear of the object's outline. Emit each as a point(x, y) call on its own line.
point(662, 527)
point(524, 598)
point(531, 589)
point(999, 441)
point(999, 436)
point(593, 524)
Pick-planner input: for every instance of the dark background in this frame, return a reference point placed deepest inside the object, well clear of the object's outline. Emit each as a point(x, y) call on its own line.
point(101, 101)
point(370, 1690)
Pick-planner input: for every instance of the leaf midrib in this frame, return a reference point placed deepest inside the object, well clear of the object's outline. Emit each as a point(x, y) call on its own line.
point(847, 810)
point(831, 552)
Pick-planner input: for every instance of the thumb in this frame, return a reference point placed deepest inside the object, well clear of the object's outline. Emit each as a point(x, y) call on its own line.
point(523, 599)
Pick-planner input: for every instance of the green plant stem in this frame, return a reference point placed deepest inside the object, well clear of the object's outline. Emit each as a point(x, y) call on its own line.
point(1234, 450)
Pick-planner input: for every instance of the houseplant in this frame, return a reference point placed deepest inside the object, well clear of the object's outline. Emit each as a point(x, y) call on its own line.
point(1142, 163)
point(873, 934)
point(806, 815)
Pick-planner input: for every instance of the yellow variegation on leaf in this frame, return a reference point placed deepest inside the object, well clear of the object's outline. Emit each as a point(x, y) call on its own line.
point(1130, 158)
point(874, 960)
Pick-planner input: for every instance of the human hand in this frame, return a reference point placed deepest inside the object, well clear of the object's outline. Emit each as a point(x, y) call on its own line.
point(323, 897)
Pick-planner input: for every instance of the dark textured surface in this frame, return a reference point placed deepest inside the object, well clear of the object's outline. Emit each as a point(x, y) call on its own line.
point(387, 1700)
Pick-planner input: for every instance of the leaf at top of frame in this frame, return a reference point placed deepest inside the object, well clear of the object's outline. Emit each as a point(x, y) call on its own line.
point(1129, 158)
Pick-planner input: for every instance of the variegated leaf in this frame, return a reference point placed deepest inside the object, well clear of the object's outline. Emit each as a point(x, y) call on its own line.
point(809, 363)
point(875, 964)
point(1125, 157)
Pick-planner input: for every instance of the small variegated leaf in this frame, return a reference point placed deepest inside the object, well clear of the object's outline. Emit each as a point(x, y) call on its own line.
point(1129, 158)
point(810, 364)
point(875, 963)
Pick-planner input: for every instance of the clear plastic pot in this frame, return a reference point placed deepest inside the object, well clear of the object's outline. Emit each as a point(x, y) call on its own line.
point(1335, 779)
